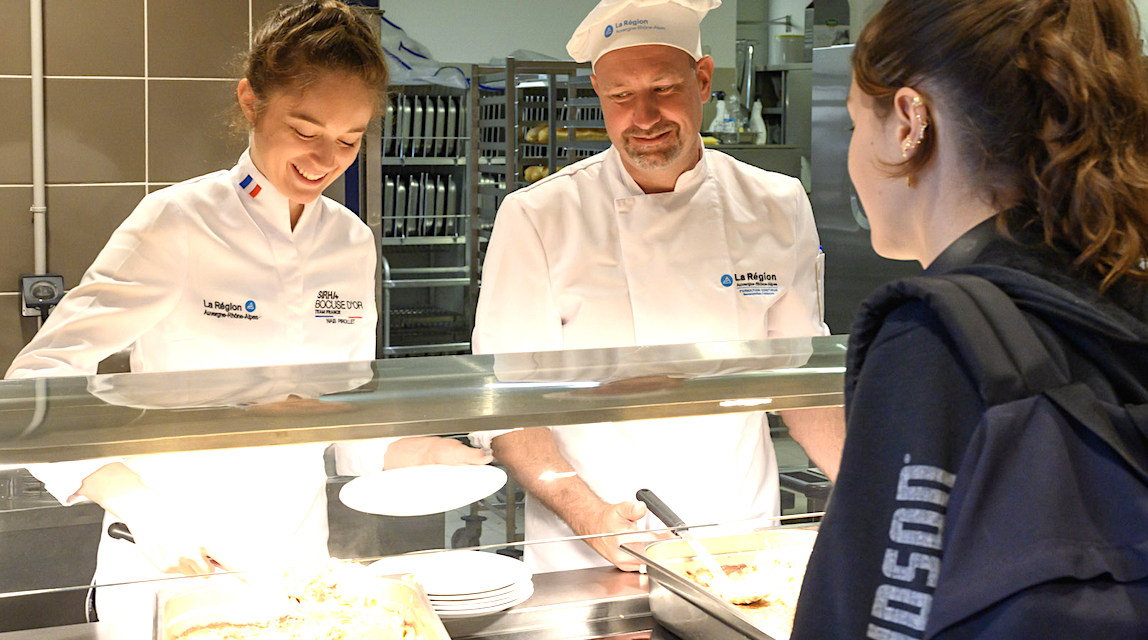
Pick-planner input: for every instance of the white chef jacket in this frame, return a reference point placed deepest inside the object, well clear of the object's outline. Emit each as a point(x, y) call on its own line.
point(584, 259)
point(208, 274)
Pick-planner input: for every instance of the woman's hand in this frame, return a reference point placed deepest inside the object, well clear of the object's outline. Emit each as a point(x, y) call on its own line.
point(166, 535)
point(413, 452)
point(175, 547)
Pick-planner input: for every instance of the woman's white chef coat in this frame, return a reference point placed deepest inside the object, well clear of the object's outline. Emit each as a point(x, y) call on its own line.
point(584, 259)
point(208, 274)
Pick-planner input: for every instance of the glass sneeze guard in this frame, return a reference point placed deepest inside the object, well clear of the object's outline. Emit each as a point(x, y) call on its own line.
point(78, 418)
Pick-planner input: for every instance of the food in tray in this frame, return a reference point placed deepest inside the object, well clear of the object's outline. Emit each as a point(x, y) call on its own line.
point(541, 134)
point(336, 602)
point(536, 173)
point(767, 585)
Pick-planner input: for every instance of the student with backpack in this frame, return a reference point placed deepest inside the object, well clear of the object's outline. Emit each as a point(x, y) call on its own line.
point(994, 481)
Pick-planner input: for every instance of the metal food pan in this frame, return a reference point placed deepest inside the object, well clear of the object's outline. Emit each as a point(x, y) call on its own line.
point(692, 611)
point(180, 609)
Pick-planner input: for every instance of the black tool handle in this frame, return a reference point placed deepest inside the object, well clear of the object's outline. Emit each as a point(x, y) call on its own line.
point(121, 531)
point(659, 509)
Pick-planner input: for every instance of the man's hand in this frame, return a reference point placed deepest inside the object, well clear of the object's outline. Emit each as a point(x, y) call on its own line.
point(620, 517)
point(533, 457)
point(413, 452)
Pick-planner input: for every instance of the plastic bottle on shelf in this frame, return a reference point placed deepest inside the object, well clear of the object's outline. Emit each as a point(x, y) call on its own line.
point(717, 125)
point(735, 114)
point(757, 124)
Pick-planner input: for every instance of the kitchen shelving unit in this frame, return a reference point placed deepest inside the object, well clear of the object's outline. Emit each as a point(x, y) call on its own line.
point(786, 94)
point(555, 94)
point(417, 203)
point(432, 238)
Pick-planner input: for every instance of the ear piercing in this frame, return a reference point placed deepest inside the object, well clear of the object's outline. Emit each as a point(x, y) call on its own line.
point(917, 106)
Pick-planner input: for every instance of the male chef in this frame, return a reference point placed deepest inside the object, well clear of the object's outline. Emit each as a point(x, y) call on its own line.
point(656, 240)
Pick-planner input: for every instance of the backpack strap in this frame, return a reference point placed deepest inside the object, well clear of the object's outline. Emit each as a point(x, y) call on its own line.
point(1007, 358)
point(1078, 401)
point(1039, 371)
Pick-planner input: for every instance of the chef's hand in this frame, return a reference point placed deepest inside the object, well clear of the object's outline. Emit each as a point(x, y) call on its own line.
point(412, 452)
point(620, 517)
point(163, 533)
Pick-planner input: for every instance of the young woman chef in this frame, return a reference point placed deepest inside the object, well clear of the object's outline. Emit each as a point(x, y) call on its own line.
point(234, 269)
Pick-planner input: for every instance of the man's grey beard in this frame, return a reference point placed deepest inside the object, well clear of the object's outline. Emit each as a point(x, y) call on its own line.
point(654, 159)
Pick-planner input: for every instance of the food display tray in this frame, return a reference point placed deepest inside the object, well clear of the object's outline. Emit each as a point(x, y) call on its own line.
point(690, 610)
point(180, 609)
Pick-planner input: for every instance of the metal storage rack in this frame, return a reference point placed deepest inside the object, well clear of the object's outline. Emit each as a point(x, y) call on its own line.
point(417, 203)
point(508, 102)
point(431, 237)
point(786, 96)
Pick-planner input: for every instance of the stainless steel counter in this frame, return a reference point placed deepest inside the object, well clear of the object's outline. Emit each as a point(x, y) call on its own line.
point(566, 605)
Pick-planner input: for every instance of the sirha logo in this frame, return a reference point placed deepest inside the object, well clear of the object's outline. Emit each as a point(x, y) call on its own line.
point(335, 310)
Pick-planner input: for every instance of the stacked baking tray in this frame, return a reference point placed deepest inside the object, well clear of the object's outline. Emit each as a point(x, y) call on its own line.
point(423, 205)
point(692, 611)
point(425, 126)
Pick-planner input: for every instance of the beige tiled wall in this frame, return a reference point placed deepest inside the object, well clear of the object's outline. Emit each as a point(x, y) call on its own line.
point(137, 97)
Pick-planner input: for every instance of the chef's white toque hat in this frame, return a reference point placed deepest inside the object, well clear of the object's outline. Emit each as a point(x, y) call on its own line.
point(617, 24)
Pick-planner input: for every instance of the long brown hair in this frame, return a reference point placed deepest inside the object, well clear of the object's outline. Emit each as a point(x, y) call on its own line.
point(303, 41)
point(1051, 112)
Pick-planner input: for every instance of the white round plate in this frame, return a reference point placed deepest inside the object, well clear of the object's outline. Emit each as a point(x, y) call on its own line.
point(496, 593)
point(456, 606)
point(456, 573)
point(480, 611)
point(420, 491)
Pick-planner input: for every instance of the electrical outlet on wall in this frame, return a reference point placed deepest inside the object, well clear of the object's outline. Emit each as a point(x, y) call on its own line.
point(39, 294)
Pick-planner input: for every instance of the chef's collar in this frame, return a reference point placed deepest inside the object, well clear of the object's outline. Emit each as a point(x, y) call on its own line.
point(260, 198)
point(965, 250)
point(691, 179)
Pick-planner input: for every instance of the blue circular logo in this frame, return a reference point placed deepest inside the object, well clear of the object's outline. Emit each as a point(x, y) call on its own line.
point(726, 281)
point(250, 306)
point(609, 30)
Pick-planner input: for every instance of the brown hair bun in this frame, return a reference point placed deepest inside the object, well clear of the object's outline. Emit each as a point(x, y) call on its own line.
point(302, 42)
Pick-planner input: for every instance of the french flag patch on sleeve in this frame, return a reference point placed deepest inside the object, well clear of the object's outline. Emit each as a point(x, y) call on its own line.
point(248, 182)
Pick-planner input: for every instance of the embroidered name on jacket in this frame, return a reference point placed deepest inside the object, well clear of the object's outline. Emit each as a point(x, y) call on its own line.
point(336, 310)
point(755, 283)
point(901, 605)
point(230, 310)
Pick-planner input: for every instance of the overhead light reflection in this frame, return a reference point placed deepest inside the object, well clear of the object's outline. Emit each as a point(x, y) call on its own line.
point(542, 385)
point(745, 402)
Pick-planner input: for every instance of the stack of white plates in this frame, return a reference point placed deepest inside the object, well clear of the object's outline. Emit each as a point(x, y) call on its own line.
point(465, 583)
